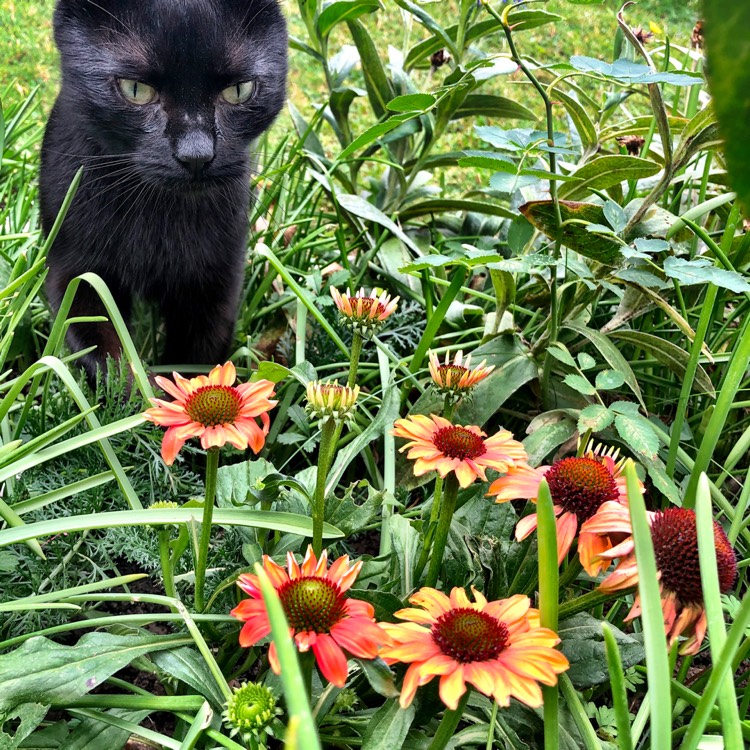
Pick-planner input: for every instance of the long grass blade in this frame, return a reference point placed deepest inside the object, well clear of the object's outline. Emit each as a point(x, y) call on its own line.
point(617, 687)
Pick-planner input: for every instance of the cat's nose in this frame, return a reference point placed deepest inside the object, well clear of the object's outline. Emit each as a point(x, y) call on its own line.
point(194, 150)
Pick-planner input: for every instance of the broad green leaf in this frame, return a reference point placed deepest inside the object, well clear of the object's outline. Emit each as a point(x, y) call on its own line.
point(638, 433)
point(728, 53)
point(584, 124)
point(388, 726)
point(703, 271)
point(491, 105)
point(29, 716)
point(542, 215)
point(235, 483)
point(595, 417)
point(188, 666)
point(272, 371)
point(580, 384)
point(438, 206)
point(343, 10)
point(614, 358)
point(91, 734)
point(608, 380)
point(379, 89)
point(358, 206)
point(672, 356)
point(605, 172)
point(700, 134)
point(582, 642)
point(631, 72)
point(352, 516)
point(42, 671)
point(555, 431)
point(412, 103)
point(379, 676)
point(524, 19)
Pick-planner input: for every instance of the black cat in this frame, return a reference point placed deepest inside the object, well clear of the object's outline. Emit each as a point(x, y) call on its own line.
point(159, 102)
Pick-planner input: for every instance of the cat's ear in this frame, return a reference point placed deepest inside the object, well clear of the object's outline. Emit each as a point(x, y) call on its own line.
point(89, 10)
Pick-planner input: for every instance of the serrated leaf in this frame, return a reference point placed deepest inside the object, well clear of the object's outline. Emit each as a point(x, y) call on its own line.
point(580, 384)
point(560, 352)
point(188, 666)
point(703, 271)
point(594, 417)
point(380, 677)
point(586, 361)
point(637, 432)
point(608, 380)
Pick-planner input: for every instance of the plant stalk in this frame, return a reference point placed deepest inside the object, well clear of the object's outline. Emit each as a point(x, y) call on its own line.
point(325, 459)
point(443, 529)
point(201, 558)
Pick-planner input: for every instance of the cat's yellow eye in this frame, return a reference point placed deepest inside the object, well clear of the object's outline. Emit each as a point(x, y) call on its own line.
point(238, 93)
point(137, 92)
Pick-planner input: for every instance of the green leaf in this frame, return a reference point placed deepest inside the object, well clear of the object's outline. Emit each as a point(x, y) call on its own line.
point(549, 436)
point(351, 516)
point(637, 432)
point(703, 271)
point(343, 10)
point(580, 384)
point(672, 356)
point(187, 665)
point(388, 726)
point(582, 641)
point(631, 72)
point(728, 53)
point(358, 206)
point(606, 172)
point(608, 380)
point(584, 124)
point(236, 483)
point(542, 215)
point(595, 417)
point(379, 89)
point(438, 206)
point(42, 671)
point(613, 356)
point(524, 19)
point(412, 103)
point(380, 677)
point(30, 716)
point(491, 105)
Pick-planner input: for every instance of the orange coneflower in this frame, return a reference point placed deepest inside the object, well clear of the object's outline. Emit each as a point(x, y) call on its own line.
point(364, 313)
point(212, 408)
point(579, 486)
point(675, 540)
point(320, 617)
point(437, 445)
point(456, 376)
point(497, 646)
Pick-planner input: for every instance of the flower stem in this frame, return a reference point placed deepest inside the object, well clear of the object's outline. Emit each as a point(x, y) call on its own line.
point(444, 526)
point(165, 559)
point(449, 723)
point(306, 664)
point(212, 466)
point(585, 602)
point(357, 342)
point(325, 459)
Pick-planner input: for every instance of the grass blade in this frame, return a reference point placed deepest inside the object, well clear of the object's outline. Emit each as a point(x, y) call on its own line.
point(617, 686)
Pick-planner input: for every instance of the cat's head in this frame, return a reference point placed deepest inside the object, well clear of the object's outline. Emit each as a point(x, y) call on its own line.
point(176, 88)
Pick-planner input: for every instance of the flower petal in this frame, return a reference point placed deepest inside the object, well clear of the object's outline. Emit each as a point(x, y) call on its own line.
point(331, 660)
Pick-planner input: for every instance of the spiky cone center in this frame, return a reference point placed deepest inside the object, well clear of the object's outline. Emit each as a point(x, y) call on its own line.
point(468, 635)
point(581, 485)
point(675, 540)
point(449, 376)
point(251, 708)
point(163, 505)
point(214, 405)
point(312, 604)
point(458, 442)
point(331, 400)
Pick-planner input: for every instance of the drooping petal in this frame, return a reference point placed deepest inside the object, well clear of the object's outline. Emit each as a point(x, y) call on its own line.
point(331, 660)
point(452, 687)
point(360, 637)
point(171, 444)
point(567, 526)
point(253, 630)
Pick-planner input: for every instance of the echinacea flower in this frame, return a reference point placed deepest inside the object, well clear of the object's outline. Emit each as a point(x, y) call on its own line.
point(331, 401)
point(250, 712)
point(437, 445)
point(675, 539)
point(212, 408)
point(579, 486)
point(320, 616)
point(456, 376)
point(364, 313)
point(498, 647)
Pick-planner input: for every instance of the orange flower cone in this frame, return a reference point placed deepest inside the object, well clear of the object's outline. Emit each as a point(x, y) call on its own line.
point(320, 617)
point(437, 445)
point(579, 487)
point(498, 647)
point(212, 408)
point(675, 540)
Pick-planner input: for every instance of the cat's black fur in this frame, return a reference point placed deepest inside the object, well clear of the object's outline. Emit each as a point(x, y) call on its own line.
point(161, 212)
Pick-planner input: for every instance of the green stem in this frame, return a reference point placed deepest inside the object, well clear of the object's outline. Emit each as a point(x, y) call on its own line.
point(212, 466)
point(449, 723)
point(491, 731)
point(325, 459)
point(357, 342)
point(165, 559)
point(306, 664)
point(443, 529)
point(585, 602)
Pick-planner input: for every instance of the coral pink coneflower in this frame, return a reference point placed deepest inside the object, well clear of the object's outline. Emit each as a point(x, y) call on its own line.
point(212, 408)
point(437, 445)
point(320, 616)
point(456, 376)
point(579, 486)
point(364, 313)
point(498, 647)
point(675, 539)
